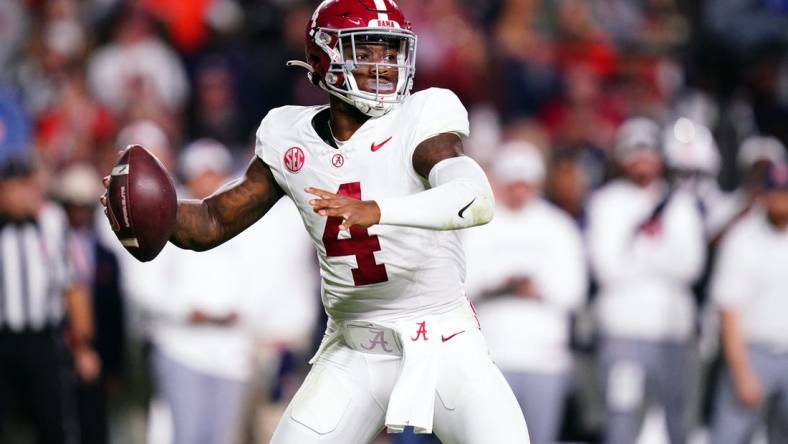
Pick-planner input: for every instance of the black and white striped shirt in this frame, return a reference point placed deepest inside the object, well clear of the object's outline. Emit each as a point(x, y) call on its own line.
point(34, 271)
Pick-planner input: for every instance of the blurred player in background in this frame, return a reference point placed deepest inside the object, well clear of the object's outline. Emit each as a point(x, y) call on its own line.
point(527, 272)
point(749, 285)
point(381, 183)
point(198, 308)
point(97, 269)
point(43, 310)
point(647, 247)
point(37, 291)
point(568, 183)
point(692, 156)
point(283, 316)
point(756, 156)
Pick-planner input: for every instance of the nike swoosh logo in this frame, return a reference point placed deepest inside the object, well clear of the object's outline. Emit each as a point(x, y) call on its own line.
point(446, 338)
point(378, 146)
point(462, 210)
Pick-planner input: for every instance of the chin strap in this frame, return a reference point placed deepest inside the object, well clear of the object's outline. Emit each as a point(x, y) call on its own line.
point(307, 66)
point(302, 64)
point(363, 107)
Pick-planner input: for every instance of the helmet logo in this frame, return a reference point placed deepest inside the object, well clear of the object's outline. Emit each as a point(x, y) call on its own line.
point(294, 159)
point(383, 23)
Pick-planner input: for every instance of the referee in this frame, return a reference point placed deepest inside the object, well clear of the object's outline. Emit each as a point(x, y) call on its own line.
point(36, 376)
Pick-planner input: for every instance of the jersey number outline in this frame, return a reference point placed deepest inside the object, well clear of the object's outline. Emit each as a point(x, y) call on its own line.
point(360, 244)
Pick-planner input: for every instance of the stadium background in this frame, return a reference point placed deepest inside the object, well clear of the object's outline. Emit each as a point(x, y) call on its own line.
point(561, 74)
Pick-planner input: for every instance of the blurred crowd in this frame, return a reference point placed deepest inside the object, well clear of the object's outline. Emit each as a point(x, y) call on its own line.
point(631, 286)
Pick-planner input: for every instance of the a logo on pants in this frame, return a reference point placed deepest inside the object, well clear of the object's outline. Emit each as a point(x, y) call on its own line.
point(378, 340)
point(422, 331)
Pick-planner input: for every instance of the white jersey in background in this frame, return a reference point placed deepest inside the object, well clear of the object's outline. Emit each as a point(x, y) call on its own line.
point(749, 277)
point(645, 278)
point(384, 271)
point(542, 243)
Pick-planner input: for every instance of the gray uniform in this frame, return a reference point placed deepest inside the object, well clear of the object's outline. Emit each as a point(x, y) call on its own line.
point(750, 279)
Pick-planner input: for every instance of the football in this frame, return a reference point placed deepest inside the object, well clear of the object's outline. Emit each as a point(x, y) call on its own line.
point(141, 203)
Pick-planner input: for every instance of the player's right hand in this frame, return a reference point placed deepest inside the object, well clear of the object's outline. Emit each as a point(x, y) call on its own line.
point(198, 317)
point(87, 364)
point(748, 389)
point(522, 286)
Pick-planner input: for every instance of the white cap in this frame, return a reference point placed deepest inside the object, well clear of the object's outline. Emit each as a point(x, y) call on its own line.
point(757, 148)
point(64, 36)
point(519, 161)
point(204, 155)
point(690, 146)
point(635, 134)
point(79, 184)
point(146, 133)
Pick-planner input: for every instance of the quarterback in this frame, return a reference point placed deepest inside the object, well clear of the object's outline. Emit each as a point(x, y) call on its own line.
point(381, 183)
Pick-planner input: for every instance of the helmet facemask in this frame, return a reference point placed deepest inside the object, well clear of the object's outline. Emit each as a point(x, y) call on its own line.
point(376, 48)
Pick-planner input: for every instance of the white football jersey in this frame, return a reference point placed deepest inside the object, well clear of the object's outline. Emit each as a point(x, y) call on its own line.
point(380, 272)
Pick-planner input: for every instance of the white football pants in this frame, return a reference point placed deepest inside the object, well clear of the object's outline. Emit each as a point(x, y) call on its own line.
point(343, 399)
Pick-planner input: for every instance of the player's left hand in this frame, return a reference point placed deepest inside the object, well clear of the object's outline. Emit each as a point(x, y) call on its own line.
point(87, 363)
point(363, 213)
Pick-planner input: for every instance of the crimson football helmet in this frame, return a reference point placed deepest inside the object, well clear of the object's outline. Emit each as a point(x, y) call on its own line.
point(334, 35)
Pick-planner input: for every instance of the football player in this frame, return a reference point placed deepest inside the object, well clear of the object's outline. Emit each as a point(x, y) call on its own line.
point(381, 183)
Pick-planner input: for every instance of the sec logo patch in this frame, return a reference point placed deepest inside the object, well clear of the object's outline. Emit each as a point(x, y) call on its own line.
point(294, 159)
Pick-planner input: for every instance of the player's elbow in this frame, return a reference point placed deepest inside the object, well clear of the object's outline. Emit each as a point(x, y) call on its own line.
point(197, 227)
point(481, 208)
point(197, 246)
point(193, 244)
point(485, 210)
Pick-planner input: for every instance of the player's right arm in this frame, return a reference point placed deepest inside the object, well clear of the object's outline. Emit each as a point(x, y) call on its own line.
point(731, 289)
point(202, 224)
point(747, 386)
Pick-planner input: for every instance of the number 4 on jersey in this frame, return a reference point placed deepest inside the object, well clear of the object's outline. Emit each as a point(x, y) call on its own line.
point(360, 244)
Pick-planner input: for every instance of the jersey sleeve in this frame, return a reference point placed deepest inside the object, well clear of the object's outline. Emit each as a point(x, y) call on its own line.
point(265, 146)
point(440, 112)
point(262, 148)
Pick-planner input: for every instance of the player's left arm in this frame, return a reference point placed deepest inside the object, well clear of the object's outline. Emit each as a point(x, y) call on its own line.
point(459, 196)
point(81, 332)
